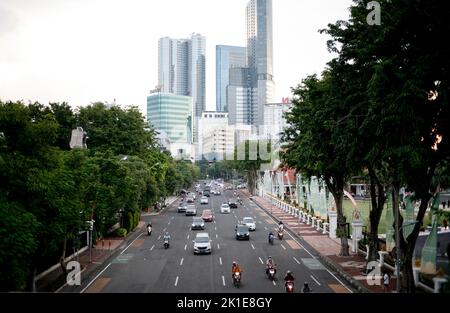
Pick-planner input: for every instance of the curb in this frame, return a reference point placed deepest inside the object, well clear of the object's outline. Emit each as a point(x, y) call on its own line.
point(327, 262)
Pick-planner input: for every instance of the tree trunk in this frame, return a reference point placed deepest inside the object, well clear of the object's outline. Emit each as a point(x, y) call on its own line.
point(378, 200)
point(62, 261)
point(31, 281)
point(251, 181)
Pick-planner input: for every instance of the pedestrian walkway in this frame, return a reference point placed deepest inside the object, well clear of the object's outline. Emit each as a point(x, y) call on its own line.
point(352, 268)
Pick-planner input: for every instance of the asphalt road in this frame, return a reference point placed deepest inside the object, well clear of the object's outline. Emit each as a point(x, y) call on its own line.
point(145, 266)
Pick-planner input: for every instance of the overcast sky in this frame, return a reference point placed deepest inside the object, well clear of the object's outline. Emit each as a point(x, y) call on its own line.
point(81, 51)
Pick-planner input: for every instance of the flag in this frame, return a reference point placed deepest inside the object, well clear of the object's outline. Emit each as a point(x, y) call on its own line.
point(429, 251)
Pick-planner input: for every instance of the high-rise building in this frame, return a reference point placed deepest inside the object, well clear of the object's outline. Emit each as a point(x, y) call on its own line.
point(242, 97)
point(274, 120)
point(182, 70)
point(227, 57)
point(171, 115)
point(260, 52)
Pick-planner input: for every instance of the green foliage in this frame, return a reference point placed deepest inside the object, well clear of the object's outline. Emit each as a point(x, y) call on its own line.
point(121, 232)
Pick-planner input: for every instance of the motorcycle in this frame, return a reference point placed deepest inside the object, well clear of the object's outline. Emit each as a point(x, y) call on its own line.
point(289, 286)
point(271, 238)
point(149, 230)
point(280, 235)
point(237, 279)
point(271, 273)
point(166, 244)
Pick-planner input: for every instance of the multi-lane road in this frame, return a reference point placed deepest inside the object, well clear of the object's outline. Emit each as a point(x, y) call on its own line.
point(145, 266)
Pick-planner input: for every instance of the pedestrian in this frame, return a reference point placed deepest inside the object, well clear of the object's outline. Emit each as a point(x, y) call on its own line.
point(386, 279)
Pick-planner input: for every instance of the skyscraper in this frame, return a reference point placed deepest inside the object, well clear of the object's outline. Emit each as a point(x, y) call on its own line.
point(260, 51)
point(227, 57)
point(182, 70)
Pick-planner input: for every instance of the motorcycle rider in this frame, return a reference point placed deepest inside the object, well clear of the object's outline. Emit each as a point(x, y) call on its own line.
point(149, 228)
point(166, 237)
point(271, 236)
point(306, 288)
point(270, 263)
point(280, 226)
point(235, 268)
point(288, 278)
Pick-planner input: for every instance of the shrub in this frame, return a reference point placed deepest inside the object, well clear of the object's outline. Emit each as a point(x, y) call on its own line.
point(121, 232)
point(137, 218)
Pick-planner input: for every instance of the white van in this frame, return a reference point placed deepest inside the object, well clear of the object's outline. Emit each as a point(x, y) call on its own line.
point(202, 243)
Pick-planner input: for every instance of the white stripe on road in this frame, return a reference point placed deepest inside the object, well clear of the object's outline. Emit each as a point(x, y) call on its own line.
point(218, 247)
point(152, 247)
point(187, 237)
point(217, 236)
point(220, 260)
point(298, 262)
point(159, 237)
point(339, 281)
point(168, 223)
point(181, 262)
point(265, 228)
point(164, 229)
point(260, 260)
point(223, 280)
point(172, 218)
point(283, 247)
point(95, 278)
point(253, 246)
point(214, 221)
point(131, 243)
point(315, 280)
point(176, 281)
point(215, 228)
point(185, 247)
point(274, 283)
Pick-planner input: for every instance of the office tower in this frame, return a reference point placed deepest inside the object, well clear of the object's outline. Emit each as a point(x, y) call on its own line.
point(182, 70)
point(172, 116)
point(260, 52)
point(226, 57)
point(242, 96)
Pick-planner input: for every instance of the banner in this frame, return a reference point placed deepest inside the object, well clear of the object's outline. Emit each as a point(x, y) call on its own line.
point(280, 185)
point(408, 220)
point(299, 189)
point(323, 201)
point(314, 188)
point(429, 251)
point(389, 220)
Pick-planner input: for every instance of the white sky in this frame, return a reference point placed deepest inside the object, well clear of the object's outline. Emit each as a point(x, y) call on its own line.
point(81, 51)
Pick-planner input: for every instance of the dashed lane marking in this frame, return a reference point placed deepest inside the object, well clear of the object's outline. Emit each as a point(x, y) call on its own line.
point(176, 281)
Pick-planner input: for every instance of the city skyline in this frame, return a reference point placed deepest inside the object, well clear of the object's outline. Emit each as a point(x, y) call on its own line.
point(113, 56)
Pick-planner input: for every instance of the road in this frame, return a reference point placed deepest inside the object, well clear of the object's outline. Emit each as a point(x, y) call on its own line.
point(145, 266)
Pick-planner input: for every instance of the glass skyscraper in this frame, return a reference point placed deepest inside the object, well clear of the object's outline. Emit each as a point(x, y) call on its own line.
point(227, 57)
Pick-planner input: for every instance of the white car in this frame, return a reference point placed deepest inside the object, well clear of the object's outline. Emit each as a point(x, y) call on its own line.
point(225, 208)
point(250, 223)
point(204, 200)
point(202, 243)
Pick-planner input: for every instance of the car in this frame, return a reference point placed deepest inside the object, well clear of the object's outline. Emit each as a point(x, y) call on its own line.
point(197, 223)
point(182, 208)
point(207, 216)
point(242, 232)
point(225, 208)
point(232, 203)
point(191, 210)
point(217, 193)
point(190, 200)
point(249, 222)
point(202, 244)
point(204, 200)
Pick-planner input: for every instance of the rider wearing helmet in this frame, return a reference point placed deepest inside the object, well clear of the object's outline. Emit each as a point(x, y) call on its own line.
point(288, 277)
point(166, 236)
point(280, 226)
point(306, 288)
point(270, 263)
point(235, 268)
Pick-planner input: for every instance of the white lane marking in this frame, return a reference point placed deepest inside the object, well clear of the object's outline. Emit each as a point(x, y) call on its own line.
point(185, 247)
point(283, 247)
point(152, 247)
point(218, 247)
point(339, 281)
point(260, 260)
point(159, 237)
point(265, 228)
point(223, 280)
point(131, 243)
point(181, 262)
point(215, 228)
point(217, 236)
point(298, 262)
point(176, 281)
point(214, 222)
point(172, 218)
point(95, 278)
point(187, 237)
point(165, 229)
point(252, 246)
point(274, 283)
point(168, 223)
point(220, 260)
point(315, 280)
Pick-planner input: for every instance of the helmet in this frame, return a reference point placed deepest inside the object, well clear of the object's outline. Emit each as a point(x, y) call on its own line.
point(288, 272)
point(270, 258)
point(234, 263)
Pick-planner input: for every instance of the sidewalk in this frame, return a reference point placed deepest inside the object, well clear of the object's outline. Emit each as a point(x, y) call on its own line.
point(169, 202)
point(351, 267)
